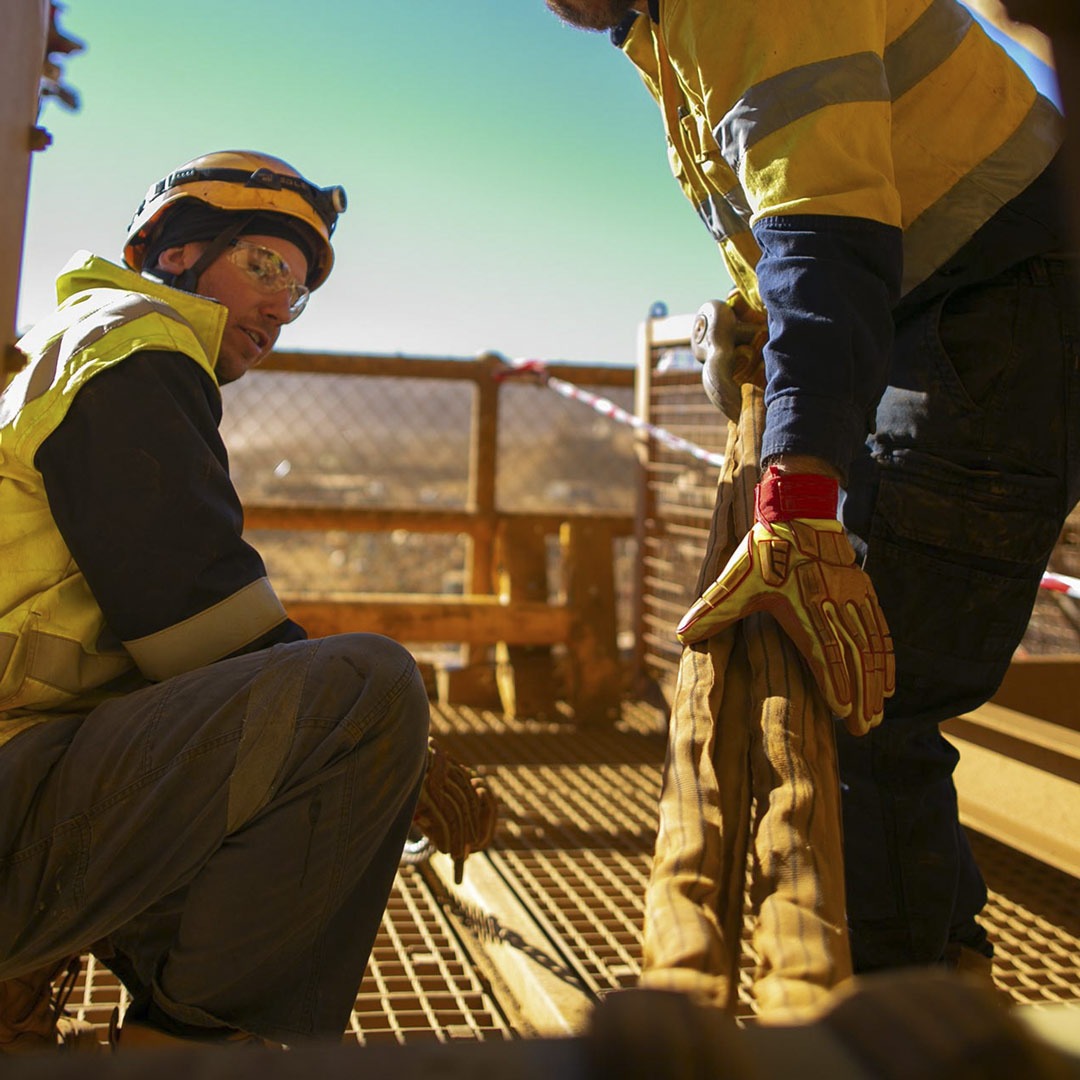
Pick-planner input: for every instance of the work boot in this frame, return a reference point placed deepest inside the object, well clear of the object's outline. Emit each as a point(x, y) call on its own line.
point(974, 965)
point(32, 1016)
point(142, 1034)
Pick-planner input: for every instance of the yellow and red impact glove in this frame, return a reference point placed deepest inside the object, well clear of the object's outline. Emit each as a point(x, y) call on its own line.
point(456, 810)
point(797, 564)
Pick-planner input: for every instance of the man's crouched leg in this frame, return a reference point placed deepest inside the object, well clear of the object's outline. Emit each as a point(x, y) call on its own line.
point(238, 832)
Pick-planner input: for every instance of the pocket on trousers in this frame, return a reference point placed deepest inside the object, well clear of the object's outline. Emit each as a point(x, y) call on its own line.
point(62, 889)
point(955, 556)
point(976, 340)
point(963, 623)
point(1010, 521)
point(44, 885)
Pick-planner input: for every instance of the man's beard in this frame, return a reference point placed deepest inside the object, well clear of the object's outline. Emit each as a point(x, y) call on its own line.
point(592, 14)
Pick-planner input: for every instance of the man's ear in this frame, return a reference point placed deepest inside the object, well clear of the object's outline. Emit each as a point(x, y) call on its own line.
point(178, 259)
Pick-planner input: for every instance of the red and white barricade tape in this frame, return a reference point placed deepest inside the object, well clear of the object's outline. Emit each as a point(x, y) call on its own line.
point(608, 408)
point(1059, 583)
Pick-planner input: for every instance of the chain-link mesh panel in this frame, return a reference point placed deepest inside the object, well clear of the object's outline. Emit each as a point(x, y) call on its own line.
point(385, 442)
point(353, 441)
point(338, 561)
point(557, 454)
point(349, 440)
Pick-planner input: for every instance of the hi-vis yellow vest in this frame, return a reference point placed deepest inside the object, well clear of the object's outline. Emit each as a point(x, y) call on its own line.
point(53, 645)
point(900, 111)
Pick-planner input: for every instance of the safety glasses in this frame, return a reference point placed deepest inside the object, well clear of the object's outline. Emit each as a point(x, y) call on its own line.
point(269, 273)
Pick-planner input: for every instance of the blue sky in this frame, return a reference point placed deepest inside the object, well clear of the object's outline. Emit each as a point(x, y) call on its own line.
point(507, 179)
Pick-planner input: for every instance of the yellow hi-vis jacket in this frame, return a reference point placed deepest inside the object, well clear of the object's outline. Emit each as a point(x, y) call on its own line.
point(902, 112)
point(55, 647)
point(841, 154)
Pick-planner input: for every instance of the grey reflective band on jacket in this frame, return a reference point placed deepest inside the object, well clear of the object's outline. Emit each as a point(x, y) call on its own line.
point(776, 102)
point(925, 45)
point(770, 105)
point(726, 215)
point(213, 633)
point(791, 95)
point(942, 229)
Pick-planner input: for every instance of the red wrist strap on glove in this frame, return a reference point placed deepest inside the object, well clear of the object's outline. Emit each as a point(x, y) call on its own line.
point(784, 496)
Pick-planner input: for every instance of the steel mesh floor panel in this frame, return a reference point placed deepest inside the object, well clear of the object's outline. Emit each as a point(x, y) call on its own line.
point(97, 993)
point(419, 986)
point(579, 822)
point(420, 983)
point(578, 829)
point(577, 838)
point(1033, 919)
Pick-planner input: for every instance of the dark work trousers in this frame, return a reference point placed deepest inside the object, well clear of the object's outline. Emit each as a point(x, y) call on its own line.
point(955, 508)
point(225, 840)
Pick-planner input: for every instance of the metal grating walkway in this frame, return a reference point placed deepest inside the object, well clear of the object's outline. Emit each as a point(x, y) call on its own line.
point(420, 983)
point(1033, 919)
point(549, 921)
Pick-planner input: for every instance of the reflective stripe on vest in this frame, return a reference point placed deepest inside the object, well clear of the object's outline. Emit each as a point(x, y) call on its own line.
point(42, 373)
point(63, 664)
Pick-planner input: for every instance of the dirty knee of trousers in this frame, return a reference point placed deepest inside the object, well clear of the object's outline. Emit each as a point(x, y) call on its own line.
point(371, 685)
point(316, 703)
point(352, 674)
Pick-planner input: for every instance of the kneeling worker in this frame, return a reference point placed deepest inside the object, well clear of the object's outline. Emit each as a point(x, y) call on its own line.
point(189, 787)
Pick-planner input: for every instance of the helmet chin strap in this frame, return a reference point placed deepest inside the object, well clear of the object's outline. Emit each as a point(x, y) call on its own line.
point(189, 278)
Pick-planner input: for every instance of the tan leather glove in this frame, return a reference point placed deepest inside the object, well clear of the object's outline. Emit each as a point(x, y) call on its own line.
point(456, 810)
point(797, 564)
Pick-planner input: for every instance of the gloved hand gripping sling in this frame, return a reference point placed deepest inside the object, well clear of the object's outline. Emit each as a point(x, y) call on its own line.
point(751, 763)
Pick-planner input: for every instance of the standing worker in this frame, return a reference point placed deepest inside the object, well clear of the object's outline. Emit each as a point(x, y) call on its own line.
point(189, 787)
point(883, 182)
